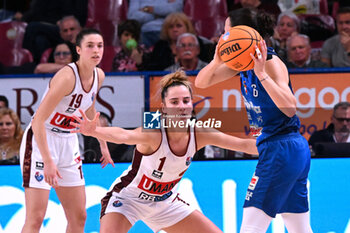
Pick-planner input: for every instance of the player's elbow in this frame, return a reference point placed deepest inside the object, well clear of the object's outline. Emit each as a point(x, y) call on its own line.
point(200, 83)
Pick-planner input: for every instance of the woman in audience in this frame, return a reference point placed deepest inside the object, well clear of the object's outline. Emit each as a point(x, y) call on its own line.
point(63, 54)
point(10, 136)
point(174, 25)
point(129, 53)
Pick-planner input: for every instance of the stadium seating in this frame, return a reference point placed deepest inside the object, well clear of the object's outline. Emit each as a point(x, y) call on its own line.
point(199, 9)
point(210, 27)
point(11, 38)
point(105, 16)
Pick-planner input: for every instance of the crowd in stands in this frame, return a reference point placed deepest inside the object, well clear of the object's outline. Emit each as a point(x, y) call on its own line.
point(159, 35)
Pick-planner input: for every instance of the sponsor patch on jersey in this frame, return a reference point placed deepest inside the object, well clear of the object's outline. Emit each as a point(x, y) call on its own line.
point(117, 203)
point(157, 174)
point(62, 121)
point(38, 176)
point(148, 197)
point(188, 161)
point(155, 187)
point(248, 195)
point(93, 97)
point(70, 110)
point(39, 165)
point(253, 182)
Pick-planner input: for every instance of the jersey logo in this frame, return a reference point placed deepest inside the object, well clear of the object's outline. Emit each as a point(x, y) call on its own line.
point(256, 131)
point(152, 186)
point(154, 198)
point(157, 174)
point(62, 121)
point(38, 176)
point(117, 203)
point(253, 182)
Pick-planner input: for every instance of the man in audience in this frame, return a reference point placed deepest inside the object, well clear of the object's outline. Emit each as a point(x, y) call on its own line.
point(336, 50)
point(69, 28)
point(187, 51)
point(299, 53)
point(339, 129)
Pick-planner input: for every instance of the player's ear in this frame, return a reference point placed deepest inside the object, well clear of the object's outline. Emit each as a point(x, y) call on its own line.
point(163, 108)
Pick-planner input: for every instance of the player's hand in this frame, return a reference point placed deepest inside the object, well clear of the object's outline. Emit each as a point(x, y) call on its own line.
point(106, 157)
point(260, 60)
point(84, 125)
point(51, 173)
point(345, 40)
point(217, 58)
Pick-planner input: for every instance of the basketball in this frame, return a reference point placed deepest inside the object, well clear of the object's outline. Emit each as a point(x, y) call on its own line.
point(236, 45)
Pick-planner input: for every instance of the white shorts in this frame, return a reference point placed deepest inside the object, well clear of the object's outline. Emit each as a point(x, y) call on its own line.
point(65, 154)
point(156, 215)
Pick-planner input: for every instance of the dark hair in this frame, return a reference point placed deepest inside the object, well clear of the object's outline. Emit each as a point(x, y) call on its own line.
point(72, 50)
point(343, 10)
point(261, 21)
point(343, 105)
point(178, 78)
point(132, 26)
point(4, 99)
point(84, 32)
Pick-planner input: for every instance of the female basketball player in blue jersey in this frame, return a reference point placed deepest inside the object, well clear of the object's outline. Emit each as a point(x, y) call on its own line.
point(49, 153)
point(279, 182)
point(145, 190)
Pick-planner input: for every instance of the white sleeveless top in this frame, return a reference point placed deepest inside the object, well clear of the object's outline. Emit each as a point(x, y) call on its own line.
point(152, 177)
point(61, 117)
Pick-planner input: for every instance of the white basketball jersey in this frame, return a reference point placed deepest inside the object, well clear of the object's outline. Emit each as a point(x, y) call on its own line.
point(60, 118)
point(152, 177)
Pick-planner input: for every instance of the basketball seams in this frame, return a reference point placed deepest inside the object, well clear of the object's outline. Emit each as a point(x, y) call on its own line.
point(233, 45)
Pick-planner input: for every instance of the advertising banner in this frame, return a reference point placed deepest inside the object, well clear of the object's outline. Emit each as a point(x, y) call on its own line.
point(316, 94)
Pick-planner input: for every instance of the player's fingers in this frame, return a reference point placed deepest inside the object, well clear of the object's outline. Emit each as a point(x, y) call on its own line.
point(74, 124)
point(58, 174)
point(78, 119)
point(96, 116)
point(258, 53)
point(82, 113)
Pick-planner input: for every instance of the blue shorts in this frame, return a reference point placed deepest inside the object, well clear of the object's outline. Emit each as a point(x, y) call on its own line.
point(279, 182)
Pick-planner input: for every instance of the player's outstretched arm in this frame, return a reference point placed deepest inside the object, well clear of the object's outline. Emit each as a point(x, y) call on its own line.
point(219, 139)
point(110, 134)
point(215, 72)
point(273, 75)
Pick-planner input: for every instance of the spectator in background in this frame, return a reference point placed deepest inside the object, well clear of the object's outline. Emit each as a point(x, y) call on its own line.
point(299, 53)
point(8, 8)
point(270, 7)
point(288, 24)
point(43, 16)
point(336, 50)
point(10, 136)
point(129, 53)
point(164, 51)
point(151, 14)
point(62, 54)
point(4, 102)
point(69, 28)
point(187, 51)
point(339, 129)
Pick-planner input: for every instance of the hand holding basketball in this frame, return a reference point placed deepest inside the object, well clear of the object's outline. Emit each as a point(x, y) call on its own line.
point(260, 60)
point(236, 45)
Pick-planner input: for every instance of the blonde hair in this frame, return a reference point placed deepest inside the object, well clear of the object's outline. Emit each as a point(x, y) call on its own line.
point(15, 143)
point(177, 78)
point(174, 18)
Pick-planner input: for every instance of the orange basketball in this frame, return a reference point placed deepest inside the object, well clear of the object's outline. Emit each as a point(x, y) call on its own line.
point(236, 45)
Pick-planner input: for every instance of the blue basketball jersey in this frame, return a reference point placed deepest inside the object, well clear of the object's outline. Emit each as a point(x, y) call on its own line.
point(265, 118)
